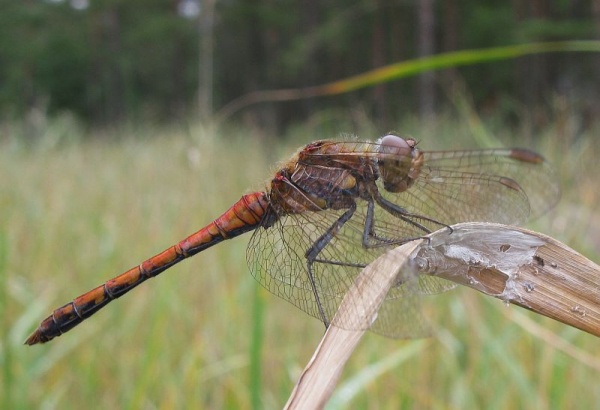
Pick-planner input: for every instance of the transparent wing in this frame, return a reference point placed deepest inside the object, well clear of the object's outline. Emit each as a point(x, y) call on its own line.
point(505, 186)
point(496, 185)
point(276, 256)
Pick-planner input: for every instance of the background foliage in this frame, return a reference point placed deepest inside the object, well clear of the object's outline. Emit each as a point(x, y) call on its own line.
point(106, 158)
point(204, 334)
point(117, 60)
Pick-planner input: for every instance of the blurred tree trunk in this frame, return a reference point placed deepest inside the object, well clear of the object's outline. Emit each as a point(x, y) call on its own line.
point(540, 68)
point(596, 15)
point(115, 90)
point(426, 29)
point(450, 39)
point(262, 116)
point(398, 17)
point(378, 60)
point(310, 74)
point(177, 103)
point(206, 25)
point(311, 13)
point(523, 88)
point(532, 73)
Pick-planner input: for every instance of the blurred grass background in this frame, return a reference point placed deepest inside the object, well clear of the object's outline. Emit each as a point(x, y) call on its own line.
point(99, 171)
point(78, 210)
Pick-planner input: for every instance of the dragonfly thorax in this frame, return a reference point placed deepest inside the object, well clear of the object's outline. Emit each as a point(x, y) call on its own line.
point(399, 162)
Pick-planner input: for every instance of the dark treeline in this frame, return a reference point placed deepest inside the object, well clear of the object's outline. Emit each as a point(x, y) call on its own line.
point(114, 60)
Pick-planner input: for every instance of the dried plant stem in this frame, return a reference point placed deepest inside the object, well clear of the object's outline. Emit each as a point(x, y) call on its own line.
point(516, 265)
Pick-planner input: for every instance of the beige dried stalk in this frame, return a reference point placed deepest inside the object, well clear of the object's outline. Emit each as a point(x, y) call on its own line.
point(516, 265)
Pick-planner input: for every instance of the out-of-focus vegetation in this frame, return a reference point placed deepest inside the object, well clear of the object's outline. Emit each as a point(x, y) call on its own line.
point(155, 60)
point(76, 211)
point(107, 157)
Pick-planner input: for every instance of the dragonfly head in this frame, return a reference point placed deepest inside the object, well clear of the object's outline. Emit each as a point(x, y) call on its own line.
point(399, 162)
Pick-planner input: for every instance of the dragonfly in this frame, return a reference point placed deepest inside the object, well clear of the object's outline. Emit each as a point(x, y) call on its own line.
point(333, 208)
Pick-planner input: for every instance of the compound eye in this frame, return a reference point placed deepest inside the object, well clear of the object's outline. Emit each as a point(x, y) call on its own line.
point(394, 143)
point(394, 160)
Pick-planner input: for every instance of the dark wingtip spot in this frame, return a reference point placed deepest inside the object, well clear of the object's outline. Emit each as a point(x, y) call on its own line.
point(510, 183)
point(525, 155)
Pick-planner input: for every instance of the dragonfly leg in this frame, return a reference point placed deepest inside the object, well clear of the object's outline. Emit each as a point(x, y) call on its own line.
point(406, 216)
point(313, 252)
point(370, 239)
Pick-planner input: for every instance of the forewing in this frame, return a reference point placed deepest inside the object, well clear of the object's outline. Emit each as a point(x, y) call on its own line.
point(505, 186)
point(496, 185)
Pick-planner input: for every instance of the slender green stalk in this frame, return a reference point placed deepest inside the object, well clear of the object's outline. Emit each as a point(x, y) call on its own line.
point(256, 347)
point(6, 350)
point(392, 72)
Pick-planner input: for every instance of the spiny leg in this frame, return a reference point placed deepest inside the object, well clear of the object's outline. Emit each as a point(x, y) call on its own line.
point(406, 216)
point(370, 239)
point(314, 251)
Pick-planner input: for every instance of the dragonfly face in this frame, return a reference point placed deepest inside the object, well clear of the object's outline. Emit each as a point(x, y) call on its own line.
point(399, 162)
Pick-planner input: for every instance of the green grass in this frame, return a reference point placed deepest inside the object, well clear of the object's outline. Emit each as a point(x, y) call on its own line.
point(75, 214)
